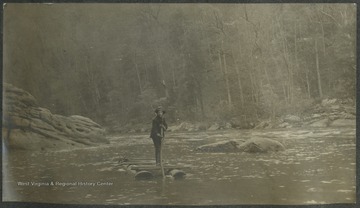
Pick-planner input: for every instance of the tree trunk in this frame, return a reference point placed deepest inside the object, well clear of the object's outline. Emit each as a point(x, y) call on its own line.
point(165, 88)
point(220, 62)
point(227, 82)
point(318, 69)
point(201, 99)
point(289, 82)
point(307, 83)
point(83, 102)
point(287, 63)
point(253, 88)
point(159, 63)
point(279, 73)
point(295, 43)
point(173, 77)
point(322, 31)
point(146, 73)
point(239, 80)
point(92, 86)
point(221, 66)
point(285, 93)
point(138, 76)
point(323, 37)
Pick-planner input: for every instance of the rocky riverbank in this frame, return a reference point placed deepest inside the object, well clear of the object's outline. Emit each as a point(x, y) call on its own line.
point(327, 113)
point(28, 126)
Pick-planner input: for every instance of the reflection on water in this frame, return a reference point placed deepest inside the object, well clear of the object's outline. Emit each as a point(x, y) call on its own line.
point(318, 166)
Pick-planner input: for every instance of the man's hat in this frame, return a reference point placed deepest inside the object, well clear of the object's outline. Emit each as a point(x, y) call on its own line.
point(159, 109)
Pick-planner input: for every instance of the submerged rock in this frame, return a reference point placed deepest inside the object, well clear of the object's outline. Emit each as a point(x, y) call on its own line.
point(30, 127)
point(256, 145)
point(224, 146)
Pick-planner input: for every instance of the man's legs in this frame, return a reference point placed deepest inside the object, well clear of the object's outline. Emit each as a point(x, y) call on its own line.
point(157, 144)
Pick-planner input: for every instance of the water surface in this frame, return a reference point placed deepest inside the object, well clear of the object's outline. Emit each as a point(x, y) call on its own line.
point(317, 167)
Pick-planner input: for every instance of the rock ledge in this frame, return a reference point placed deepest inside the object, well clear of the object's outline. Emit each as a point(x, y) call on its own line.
point(29, 127)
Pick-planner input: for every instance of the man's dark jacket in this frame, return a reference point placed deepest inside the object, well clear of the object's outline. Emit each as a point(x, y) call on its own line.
point(156, 127)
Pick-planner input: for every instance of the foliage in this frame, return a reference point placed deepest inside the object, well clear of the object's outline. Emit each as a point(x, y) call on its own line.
point(214, 62)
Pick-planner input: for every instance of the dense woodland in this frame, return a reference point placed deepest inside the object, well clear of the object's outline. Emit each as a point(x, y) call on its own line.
point(115, 63)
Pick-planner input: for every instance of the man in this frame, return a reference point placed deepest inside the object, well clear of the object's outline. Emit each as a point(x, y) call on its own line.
point(159, 126)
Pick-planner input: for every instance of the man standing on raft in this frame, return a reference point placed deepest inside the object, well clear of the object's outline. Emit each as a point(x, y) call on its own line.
point(158, 129)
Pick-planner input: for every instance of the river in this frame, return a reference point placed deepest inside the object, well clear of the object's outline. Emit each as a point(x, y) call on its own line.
point(317, 167)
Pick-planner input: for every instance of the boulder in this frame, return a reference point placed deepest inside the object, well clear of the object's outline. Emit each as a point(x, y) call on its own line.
point(327, 101)
point(321, 123)
point(30, 127)
point(177, 174)
point(343, 123)
point(236, 123)
point(144, 175)
point(335, 107)
point(261, 145)
point(345, 115)
point(316, 116)
point(202, 126)
point(228, 126)
point(350, 109)
point(224, 146)
point(214, 127)
point(262, 125)
point(285, 125)
point(292, 118)
point(184, 126)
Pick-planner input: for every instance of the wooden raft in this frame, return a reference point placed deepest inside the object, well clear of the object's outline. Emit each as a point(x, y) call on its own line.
point(145, 169)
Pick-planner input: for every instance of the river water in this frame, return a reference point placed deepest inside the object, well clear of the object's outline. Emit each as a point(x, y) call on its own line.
point(317, 167)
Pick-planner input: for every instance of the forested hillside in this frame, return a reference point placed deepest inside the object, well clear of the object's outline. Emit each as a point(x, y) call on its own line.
point(115, 63)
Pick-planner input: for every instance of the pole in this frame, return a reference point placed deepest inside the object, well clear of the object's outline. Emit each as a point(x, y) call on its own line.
point(162, 143)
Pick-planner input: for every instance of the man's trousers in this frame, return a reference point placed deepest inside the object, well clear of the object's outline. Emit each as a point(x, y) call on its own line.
point(157, 143)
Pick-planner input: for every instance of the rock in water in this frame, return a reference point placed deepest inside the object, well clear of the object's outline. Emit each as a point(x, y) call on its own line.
point(30, 127)
point(224, 146)
point(321, 123)
point(292, 118)
point(214, 127)
point(256, 145)
point(177, 174)
point(344, 123)
point(144, 175)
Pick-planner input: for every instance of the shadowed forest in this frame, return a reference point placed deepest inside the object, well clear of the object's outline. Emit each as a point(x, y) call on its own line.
point(202, 62)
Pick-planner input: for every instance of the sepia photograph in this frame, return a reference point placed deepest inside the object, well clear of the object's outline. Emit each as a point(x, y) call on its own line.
point(179, 103)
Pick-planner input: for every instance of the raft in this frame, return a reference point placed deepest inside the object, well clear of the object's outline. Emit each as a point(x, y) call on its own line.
point(146, 169)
